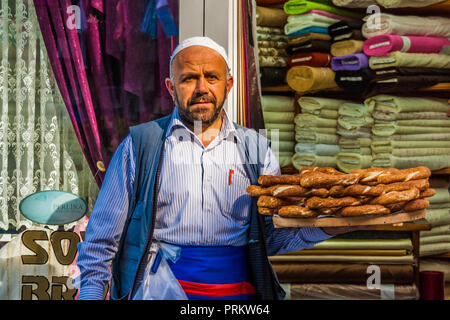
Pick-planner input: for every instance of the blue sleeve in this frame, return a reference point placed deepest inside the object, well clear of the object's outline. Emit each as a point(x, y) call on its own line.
point(284, 240)
point(106, 223)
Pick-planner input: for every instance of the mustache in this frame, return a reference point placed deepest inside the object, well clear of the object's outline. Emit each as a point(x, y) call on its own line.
point(200, 99)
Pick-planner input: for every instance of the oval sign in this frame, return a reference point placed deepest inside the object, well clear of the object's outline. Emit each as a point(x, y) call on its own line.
point(53, 207)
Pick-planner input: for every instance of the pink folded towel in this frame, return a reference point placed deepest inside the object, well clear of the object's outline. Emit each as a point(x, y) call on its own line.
point(384, 44)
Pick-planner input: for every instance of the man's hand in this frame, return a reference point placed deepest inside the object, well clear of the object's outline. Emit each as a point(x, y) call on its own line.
point(333, 231)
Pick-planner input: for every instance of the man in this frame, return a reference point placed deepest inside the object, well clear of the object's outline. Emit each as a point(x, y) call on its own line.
point(182, 180)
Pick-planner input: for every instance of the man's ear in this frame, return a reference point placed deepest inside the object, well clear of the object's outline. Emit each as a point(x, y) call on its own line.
point(230, 82)
point(169, 86)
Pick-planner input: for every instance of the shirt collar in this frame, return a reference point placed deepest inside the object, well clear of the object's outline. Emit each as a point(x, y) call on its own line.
point(227, 129)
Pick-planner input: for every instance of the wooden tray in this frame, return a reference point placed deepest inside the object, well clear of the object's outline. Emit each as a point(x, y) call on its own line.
point(367, 220)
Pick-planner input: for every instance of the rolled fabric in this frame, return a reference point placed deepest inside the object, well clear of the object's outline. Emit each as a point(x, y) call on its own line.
point(361, 151)
point(391, 116)
point(280, 127)
point(313, 104)
point(363, 244)
point(354, 123)
point(348, 162)
point(272, 76)
point(310, 19)
point(305, 130)
point(284, 161)
point(346, 47)
point(342, 30)
point(270, 17)
point(273, 52)
point(356, 110)
point(385, 23)
point(278, 117)
point(283, 146)
point(383, 44)
point(281, 44)
point(420, 137)
point(309, 46)
point(317, 149)
point(270, 30)
point(408, 71)
point(311, 160)
point(434, 239)
point(442, 196)
point(282, 135)
point(355, 133)
point(433, 249)
point(315, 137)
point(312, 59)
point(302, 6)
point(340, 291)
point(354, 3)
point(404, 59)
point(276, 103)
point(407, 3)
point(390, 161)
point(271, 37)
point(354, 61)
point(268, 61)
point(309, 79)
point(396, 104)
point(445, 122)
point(308, 30)
point(307, 120)
point(391, 128)
point(439, 230)
point(408, 259)
point(354, 80)
point(308, 36)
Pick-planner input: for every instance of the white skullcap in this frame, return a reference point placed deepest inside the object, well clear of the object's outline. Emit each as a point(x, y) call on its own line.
point(200, 41)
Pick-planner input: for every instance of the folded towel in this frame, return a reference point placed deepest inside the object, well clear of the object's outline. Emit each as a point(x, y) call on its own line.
point(354, 80)
point(312, 59)
point(383, 44)
point(324, 113)
point(407, 3)
point(315, 137)
point(276, 103)
point(312, 104)
point(348, 162)
point(354, 3)
point(434, 239)
point(360, 151)
point(302, 6)
point(356, 110)
point(309, 46)
point(442, 196)
point(390, 128)
point(307, 120)
point(309, 79)
point(268, 61)
point(390, 103)
point(354, 123)
point(354, 61)
point(317, 149)
point(270, 17)
point(439, 230)
point(433, 26)
point(272, 76)
point(326, 130)
point(420, 137)
point(387, 146)
point(280, 126)
point(284, 161)
point(308, 36)
point(311, 160)
point(391, 116)
point(310, 19)
point(404, 59)
point(346, 47)
point(281, 135)
point(278, 117)
point(390, 161)
point(354, 133)
point(349, 143)
point(433, 249)
point(420, 152)
point(283, 146)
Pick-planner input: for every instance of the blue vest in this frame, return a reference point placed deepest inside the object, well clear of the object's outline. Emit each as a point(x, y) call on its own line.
point(129, 263)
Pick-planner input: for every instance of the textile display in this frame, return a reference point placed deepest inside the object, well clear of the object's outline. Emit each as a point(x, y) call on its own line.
point(346, 30)
point(397, 104)
point(354, 3)
point(272, 76)
point(309, 46)
point(317, 149)
point(390, 161)
point(325, 272)
point(314, 104)
point(272, 61)
point(346, 47)
point(383, 44)
point(407, 259)
point(353, 292)
point(364, 244)
point(405, 84)
point(354, 80)
point(301, 160)
point(407, 3)
point(308, 36)
point(310, 19)
point(270, 17)
point(309, 79)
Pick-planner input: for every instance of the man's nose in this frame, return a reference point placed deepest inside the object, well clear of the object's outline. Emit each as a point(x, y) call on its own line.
point(202, 85)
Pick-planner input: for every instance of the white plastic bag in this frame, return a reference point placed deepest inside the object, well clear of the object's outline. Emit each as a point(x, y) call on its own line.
point(159, 283)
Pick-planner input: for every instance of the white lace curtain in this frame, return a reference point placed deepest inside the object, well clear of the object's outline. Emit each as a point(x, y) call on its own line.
point(38, 147)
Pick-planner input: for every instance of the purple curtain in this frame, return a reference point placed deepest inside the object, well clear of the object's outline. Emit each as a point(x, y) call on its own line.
point(110, 74)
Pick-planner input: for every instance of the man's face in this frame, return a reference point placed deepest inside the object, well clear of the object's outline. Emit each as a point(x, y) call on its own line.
point(200, 84)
